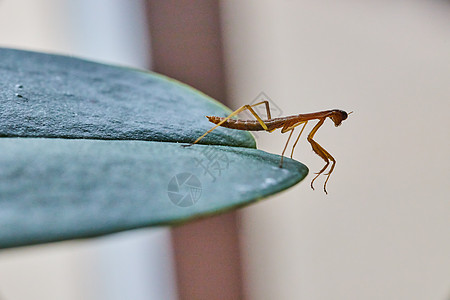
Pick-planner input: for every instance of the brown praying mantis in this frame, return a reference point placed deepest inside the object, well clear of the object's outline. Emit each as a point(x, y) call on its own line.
point(287, 124)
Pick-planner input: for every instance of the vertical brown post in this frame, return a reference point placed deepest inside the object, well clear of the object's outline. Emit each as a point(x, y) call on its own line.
point(186, 45)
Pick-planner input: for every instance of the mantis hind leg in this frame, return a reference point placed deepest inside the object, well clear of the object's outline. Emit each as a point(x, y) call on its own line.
point(234, 113)
point(266, 103)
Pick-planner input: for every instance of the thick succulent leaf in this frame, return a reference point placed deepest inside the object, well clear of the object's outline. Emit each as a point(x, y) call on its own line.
point(43, 95)
point(88, 149)
point(56, 189)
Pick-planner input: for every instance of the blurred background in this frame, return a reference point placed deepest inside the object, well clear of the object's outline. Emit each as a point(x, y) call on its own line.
point(383, 230)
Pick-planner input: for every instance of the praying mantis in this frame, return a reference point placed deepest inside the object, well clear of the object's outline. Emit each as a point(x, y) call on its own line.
point(287, 124)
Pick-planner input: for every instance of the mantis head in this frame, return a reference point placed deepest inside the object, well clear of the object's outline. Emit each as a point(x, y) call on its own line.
point(338, 116)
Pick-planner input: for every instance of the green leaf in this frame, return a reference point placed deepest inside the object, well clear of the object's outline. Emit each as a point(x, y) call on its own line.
point(44, 95)
point(55, 189)
point(89, 149)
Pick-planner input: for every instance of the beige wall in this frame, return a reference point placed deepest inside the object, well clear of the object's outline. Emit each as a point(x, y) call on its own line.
point(383, 230)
